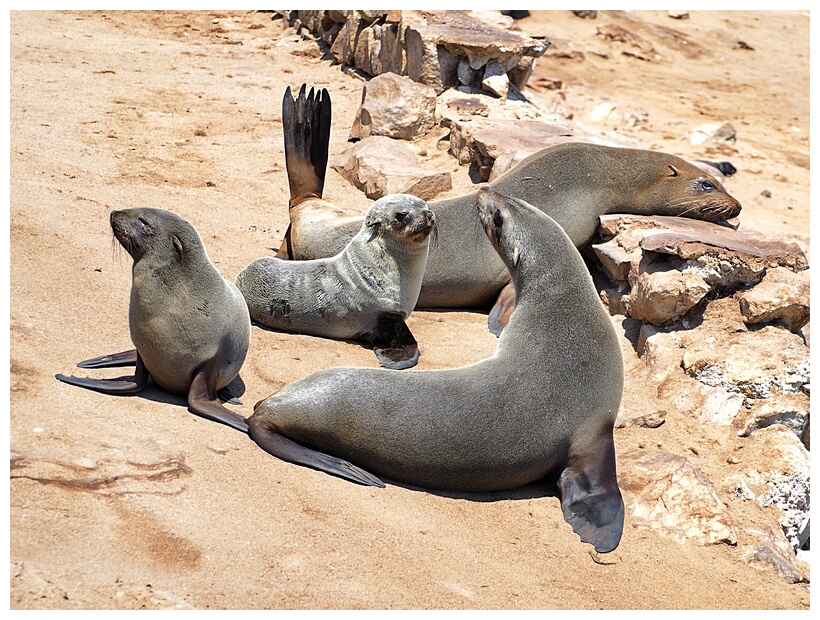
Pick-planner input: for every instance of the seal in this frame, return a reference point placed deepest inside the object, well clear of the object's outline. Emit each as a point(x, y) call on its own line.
point(574, 183)
point(190, 326)
point(543, 406)
point(364, 293)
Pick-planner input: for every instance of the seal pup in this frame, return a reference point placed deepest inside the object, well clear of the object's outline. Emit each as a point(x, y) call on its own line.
point(365, 292)
point(543, 405)
point(190, 325)
point(574, 183)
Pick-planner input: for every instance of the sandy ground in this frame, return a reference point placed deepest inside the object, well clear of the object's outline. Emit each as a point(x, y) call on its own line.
point(133, 502)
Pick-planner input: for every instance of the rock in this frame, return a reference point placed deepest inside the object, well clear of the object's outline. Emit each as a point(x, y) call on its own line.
point(379, 166)
point(601, 111)
point(781, 297)
point(667, 493)
point(482, 140)
point(749, 363)
point(785, 482)
point(495, 78)
point(770, 548)
point(664, 295)
point(790, 409)
point(396, 107)
point(649, 420)
point(637, 46)
point(713, 132)
point(508, 160)
point(586, 14)
point(660, 351)
point(678, 14)
point(436, 42)
point(468, 106)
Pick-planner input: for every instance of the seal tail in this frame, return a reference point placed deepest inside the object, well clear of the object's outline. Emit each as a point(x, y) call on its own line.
point(306, 129)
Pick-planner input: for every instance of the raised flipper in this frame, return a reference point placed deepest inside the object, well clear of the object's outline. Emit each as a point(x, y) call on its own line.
point(306, 128)
point(203, 400)
point(503, 308)
point(120, 385)
point(590, 498)
point(393, 342)
point(281, 447)
point(126, 358)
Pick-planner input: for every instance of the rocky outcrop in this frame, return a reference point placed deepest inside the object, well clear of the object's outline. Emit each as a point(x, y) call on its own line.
point(395, 107)
point(442, 49)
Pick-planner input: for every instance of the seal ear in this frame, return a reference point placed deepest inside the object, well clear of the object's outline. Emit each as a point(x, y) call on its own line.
point(373, 224)
point(177, 244)
point(674, 170)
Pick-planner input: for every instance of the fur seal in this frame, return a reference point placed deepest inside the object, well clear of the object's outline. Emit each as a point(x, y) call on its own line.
point(574, 183)
point(190, 325)
point(365, 292)
point(542, 406)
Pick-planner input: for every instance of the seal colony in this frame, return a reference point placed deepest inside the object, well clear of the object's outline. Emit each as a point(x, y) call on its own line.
point(574, 183)
point(190, 325)
point(542, 406)
point(365, 292)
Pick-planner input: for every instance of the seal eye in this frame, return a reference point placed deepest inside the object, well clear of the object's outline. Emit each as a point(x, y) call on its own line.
point(707, 185)
point(401, 216)
point(145, 226)
point(498, 219)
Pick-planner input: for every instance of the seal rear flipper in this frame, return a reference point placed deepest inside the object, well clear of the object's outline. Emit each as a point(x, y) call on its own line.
point(288, 450)
point(590, 498)
point(503, 308)
point(203, 400)
point(125, 358)
point(393, 342)
point(306, 129)
point(120, 385)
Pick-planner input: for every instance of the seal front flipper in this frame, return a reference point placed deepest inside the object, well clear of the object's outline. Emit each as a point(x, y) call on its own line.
point(590, 498)
point(502, 309)
point(281, 447)
point(203, 399)
point(125, 358)
point(120, 385)
point(393, 342)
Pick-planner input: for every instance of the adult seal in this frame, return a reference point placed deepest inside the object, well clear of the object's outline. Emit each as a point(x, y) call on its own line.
point(574, 183)
point(189, 325)
point(364, 293)
point(543, 406)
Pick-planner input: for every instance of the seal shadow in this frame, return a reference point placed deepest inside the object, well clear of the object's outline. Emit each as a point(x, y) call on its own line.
point(546, 487)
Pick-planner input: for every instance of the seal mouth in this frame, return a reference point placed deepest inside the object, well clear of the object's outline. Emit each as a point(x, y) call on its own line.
point(419, 226)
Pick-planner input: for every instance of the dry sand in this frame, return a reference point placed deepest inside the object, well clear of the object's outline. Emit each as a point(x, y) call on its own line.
point(133, 502)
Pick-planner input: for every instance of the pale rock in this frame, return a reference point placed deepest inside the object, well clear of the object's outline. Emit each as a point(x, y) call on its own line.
point(782, 296)
point(791, 410)
point(769, 547)
point(495, 78)
point(785, 482)
point(713, 132)
point(601, 111)
point(749, 363)
point(343, 48)
point(660, 351)
point(507, 161)
point(396, 107)
point(664, 295)
point(667, 493)
point(380, 166)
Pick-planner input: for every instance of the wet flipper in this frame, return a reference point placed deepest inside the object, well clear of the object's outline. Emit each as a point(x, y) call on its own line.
point(125, 358)
point(288, 450)
point(203, 400)
point(590, 498)
point(394, 344)
point(306, 128)
point(503, 308)
point(120, 385)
